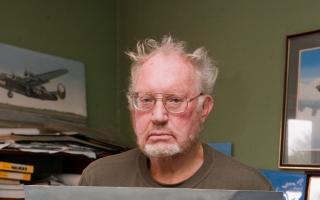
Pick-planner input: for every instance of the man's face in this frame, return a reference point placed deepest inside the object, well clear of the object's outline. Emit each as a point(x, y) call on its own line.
point(160, 133)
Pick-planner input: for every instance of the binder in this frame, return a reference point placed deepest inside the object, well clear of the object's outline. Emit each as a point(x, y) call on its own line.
point(16, 167)
point(15, 175)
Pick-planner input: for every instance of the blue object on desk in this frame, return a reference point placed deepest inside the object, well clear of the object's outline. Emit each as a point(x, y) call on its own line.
point(293, 185)
point(225, 147)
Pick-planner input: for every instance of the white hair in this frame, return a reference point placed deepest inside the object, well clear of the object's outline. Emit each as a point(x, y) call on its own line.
point(206, 70)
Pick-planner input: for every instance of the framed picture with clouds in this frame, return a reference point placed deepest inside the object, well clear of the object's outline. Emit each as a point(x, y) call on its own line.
point(300, 132)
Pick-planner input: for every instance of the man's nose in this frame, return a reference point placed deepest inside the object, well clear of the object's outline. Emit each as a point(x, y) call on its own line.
point(159, 113)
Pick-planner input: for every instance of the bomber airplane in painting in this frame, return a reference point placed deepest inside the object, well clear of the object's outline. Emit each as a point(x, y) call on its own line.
point(31, 85)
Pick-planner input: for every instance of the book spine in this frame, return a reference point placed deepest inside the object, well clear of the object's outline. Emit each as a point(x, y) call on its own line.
point(8, 182)
point(15, 175)
point(16, 167)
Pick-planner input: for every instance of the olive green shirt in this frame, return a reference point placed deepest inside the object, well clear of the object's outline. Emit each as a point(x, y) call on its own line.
point(130, 169)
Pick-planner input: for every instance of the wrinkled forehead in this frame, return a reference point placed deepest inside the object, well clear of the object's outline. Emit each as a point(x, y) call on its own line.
point(167, 73)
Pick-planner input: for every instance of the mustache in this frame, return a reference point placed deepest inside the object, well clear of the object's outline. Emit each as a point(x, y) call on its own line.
point(159, 129)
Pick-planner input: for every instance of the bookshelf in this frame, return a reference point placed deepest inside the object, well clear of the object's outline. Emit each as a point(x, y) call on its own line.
point(67, 151)
point(46, 164)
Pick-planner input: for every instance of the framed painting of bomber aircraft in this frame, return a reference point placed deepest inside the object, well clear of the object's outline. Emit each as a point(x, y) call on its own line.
point(41, 88)
point(300, 134)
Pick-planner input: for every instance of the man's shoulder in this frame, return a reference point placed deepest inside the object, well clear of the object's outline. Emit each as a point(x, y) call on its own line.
point(230, 163)
point(117, 159)
point(234, 171)
point(112, 170)
point(112, 163)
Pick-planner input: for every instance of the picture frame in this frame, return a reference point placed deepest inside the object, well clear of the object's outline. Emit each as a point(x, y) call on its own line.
point(313, 192)
point(300, 129)
point(41, 90)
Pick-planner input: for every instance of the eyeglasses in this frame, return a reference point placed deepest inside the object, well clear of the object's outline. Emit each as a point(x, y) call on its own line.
point(173, 103)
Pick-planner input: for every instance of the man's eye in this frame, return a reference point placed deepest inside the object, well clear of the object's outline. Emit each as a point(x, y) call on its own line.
point(146, 99)
point(174, 100)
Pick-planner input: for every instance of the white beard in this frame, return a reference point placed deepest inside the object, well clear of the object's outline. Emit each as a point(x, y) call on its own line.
point(162, 150)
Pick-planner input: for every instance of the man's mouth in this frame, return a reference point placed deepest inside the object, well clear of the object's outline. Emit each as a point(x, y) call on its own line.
point(155, 137)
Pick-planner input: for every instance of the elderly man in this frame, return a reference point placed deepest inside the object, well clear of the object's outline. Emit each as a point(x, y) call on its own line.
point(169, 99)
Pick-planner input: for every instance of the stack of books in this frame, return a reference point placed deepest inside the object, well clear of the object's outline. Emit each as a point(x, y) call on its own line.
point(15, 171)
point(11, 175)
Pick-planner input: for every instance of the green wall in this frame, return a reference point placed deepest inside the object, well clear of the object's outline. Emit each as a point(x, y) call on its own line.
point(82, 30)
point(247, 38)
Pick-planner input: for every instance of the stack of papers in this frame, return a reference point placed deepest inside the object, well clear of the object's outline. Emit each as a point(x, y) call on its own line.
point(51, 148)
point(31, 140)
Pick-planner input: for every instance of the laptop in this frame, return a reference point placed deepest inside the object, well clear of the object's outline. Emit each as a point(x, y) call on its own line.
point(39, 192)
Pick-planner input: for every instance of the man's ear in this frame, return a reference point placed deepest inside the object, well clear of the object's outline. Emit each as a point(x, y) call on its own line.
point(207, 107)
